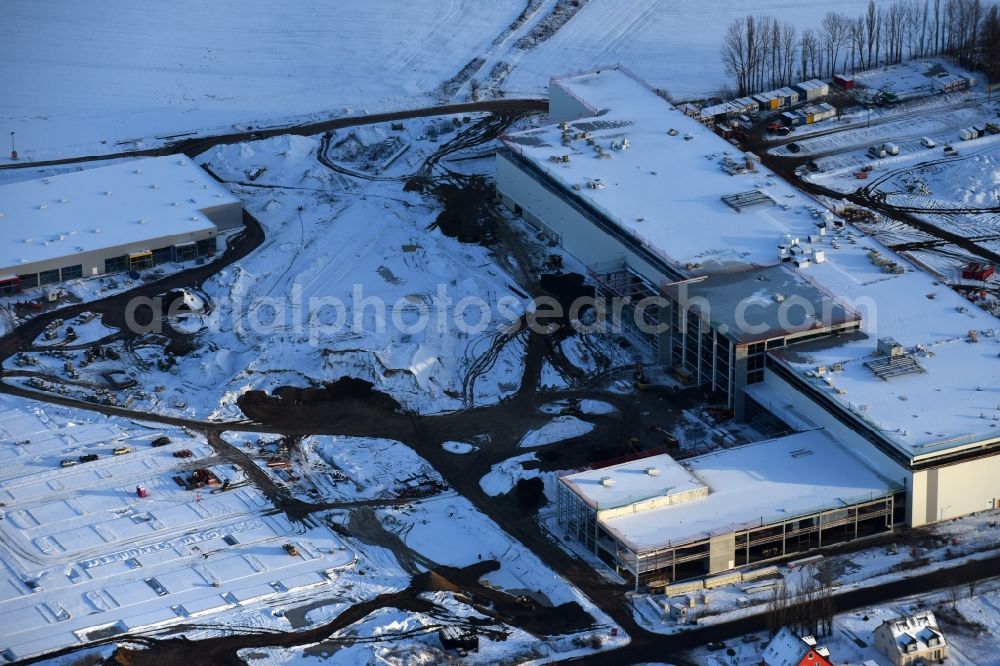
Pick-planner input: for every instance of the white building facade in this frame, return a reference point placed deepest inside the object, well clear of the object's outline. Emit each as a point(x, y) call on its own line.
point(126, 216)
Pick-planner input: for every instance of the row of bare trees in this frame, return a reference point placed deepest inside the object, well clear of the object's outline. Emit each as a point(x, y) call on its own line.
point(806, 607)
point(761, 52)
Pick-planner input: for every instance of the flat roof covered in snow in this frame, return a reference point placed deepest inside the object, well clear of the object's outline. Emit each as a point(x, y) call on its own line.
point(762, 303)
point(757, 484)
point(124, 203)
point(953, 404)
point(661, 184)
point(631, 482)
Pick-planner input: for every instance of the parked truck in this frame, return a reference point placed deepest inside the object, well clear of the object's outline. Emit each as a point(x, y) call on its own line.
point(891, 149)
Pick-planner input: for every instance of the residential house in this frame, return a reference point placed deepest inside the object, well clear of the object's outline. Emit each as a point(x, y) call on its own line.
point(911, 640)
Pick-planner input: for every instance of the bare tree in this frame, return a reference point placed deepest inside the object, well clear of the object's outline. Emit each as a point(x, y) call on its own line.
point(857, 46)
point(990, 39)
point(787, 52)
point(873, 23)
point(777, 608)
point(736, 53)
point(835, 33)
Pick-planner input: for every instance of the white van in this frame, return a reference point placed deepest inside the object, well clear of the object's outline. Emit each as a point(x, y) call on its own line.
point(927, 142)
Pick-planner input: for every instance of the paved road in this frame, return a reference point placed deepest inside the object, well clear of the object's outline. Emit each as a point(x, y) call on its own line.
point(198, 145)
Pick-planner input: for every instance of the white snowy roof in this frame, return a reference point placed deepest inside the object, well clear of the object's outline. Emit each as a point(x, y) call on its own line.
point(666, 191)
point(631, 482)
point(124, 203)
point(785, 649)
point(919, 629)
point(757, 484)
point(665, 181)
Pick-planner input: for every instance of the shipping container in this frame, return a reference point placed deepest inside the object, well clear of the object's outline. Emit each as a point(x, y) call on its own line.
point(844, 81)
point(811, 89)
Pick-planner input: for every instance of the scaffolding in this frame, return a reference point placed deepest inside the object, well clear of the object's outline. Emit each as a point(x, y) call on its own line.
point(615, 281)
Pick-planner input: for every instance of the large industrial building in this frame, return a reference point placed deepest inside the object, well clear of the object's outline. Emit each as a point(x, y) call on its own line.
point(660, 520)
point(126, 216)
point(787, 314)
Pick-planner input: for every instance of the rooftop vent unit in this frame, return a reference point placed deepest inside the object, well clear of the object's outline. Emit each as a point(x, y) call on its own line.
point(889, 347)
point(652, 471)
point(607, 481)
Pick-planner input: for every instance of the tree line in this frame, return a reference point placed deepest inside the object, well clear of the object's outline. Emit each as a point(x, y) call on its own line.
point(762, 52)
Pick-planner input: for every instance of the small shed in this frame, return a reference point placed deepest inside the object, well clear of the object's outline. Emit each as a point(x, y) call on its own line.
point(679, 612)
point(844, 81)
point(789, 119)
point(788, 96)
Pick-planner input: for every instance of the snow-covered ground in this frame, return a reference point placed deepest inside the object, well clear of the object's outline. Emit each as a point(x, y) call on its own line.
point(85, 79)
point(306, 306)
point(93, 80)
point(85, 553)
point(86, 557)
point(956, 541)
point(969, 618)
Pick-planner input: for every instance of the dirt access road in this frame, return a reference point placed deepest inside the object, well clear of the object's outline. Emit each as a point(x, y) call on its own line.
point(195, 146)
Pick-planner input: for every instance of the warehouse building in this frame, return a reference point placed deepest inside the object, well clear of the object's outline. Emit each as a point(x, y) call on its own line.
point(127, 216)
point(890, 364)
point(657, 520)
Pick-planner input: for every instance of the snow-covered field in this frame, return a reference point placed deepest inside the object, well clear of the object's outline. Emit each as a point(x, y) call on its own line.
point(93, 79)
point(673, 45)
point(81, 78)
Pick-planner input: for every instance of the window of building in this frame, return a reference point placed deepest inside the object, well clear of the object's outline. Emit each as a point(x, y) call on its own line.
point(185, 252)
point(49, 277)
point(72, 272)
point(28, 281)
point(206, 246)
point(115, 264)
point(9, 286)
point(163, 255)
